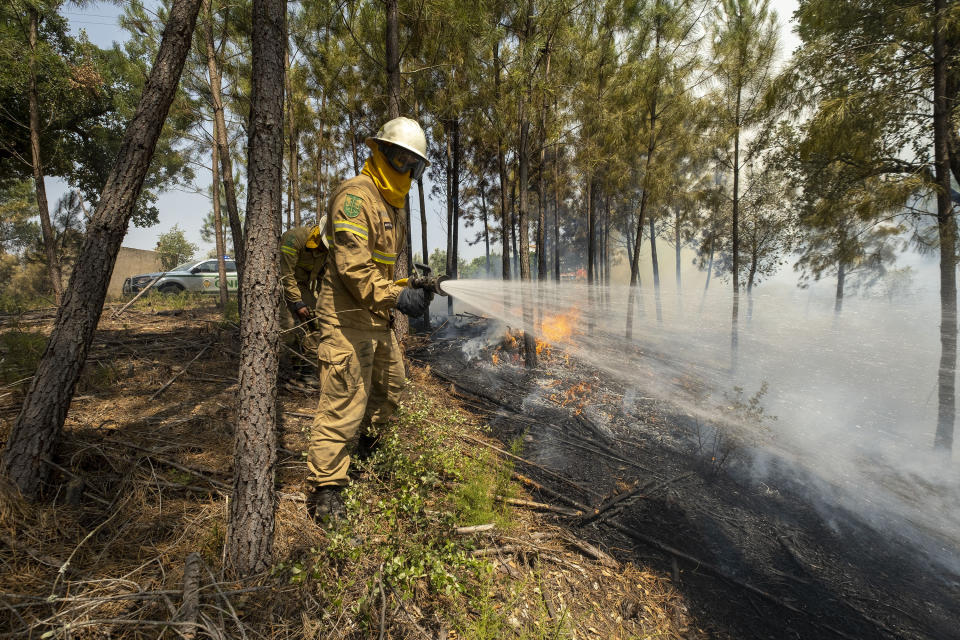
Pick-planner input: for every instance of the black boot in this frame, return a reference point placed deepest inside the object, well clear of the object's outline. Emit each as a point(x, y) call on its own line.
point(325, 506)
point(367, 445)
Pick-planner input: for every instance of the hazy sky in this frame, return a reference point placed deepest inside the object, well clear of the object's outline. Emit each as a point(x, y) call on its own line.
point(99, 20)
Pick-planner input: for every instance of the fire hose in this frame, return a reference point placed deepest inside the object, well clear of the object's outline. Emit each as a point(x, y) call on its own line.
point(424, 280)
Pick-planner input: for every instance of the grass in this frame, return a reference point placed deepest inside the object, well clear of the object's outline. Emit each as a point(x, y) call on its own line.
point(20, 353)
point(12, 303)
point(419, 485)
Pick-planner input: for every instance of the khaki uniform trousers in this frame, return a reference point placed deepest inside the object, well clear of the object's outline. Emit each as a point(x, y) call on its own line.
point(303, 338)
point(361, 377)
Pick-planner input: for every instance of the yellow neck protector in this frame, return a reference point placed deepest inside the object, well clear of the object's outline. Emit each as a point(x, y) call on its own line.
point(393, 186)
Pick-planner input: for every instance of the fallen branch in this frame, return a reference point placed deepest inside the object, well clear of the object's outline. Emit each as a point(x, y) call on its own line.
point(593, 552)
point(190, 605)
point(543, 506)
point(477, 528)
point(494, 551)
point(550, 492)
point(116, 314)
point(180, 373)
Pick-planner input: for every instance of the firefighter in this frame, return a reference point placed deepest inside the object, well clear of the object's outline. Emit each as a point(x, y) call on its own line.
point(359, 362)
point(303, 257)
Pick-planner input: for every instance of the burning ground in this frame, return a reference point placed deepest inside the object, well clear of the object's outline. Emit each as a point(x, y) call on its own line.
point(754, 556)
point(443, 539)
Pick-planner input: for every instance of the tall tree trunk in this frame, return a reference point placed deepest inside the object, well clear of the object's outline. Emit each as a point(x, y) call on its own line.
point(751, 277)
point(676, 249)
point(505, 222)
point(606, 243)
point(486, 228)
point(513, 226)
point(36, 431)
point(220, 135)
point(401, 324)
point(423, 239)
point(251, 525)
point(321, 205)
point(294, 168)
point(706, 285)
point(591, 230)
point(947, 229)
point(735, 311)
point(523, 191)
point(455, 190)
point(644, 198)
point(841, 276)
point(393, 59)
point(46, 228)
point(656, 269)
point(218, 223)
point(556, 214)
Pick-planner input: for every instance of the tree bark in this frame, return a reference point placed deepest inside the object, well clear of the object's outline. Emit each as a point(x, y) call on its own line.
point(294, 143)
point(656, 269)
point(220, 135)
point(401, 324)
point(250, 540)
point(43, 207)
point(529, 342)
point(218, 225)
point(946, 225)
point(591, 230)
point(423, 239)
point(735, 311)
point(486, 229)
point(455, 191)
point(37, 429)
point(556, 214)
point(841, 276)
point(505, 222)
point(393, 59)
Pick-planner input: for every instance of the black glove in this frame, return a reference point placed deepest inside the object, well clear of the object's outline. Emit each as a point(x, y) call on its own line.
point(413, 302)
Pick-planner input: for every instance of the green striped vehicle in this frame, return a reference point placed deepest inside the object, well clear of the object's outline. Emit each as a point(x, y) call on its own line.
point(201, 276)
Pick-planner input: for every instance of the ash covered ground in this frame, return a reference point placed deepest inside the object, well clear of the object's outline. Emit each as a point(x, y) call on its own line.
point(755, 557)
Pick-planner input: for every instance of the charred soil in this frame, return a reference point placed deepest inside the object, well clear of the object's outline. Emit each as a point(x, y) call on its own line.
point(753, 558)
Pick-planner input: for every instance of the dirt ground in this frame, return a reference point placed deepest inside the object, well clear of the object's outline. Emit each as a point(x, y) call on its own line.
point(752, 559)
point(142, 479)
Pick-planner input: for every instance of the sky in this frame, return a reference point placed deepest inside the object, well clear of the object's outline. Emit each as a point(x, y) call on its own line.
point(188, 208)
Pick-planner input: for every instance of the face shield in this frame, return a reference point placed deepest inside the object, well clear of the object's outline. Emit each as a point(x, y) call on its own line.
point(403, 161)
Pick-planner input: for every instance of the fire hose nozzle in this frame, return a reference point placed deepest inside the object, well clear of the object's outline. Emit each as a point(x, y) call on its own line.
point(425, 280)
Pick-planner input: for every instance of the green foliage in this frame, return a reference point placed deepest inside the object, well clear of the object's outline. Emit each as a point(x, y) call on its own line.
point(416, 487)
point(20, 353)
point(174, 248)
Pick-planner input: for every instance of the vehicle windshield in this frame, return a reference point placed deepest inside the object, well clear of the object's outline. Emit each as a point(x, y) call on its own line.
point(186, 266)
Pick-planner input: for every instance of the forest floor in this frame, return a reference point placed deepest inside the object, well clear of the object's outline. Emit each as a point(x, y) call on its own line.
point(128, 539)
point(754, 556)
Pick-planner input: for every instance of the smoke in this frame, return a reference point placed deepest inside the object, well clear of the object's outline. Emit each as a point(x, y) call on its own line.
point(854, 395)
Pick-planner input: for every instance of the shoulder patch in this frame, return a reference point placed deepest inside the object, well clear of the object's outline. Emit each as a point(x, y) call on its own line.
point(352, 205)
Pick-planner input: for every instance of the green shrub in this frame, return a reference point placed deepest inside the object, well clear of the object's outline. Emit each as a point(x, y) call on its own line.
point(20, 353)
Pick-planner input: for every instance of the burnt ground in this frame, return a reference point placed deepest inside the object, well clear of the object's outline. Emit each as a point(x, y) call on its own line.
point(752, 559)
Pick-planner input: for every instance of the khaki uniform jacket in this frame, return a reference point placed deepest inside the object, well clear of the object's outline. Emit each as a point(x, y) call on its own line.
point(365, 234)
point(300, 266)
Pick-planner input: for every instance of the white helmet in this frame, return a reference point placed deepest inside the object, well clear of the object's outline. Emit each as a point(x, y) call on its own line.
point(407, 134)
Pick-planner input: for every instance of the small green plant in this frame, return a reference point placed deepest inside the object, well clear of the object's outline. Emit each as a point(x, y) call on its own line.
point(172, 301)
point(231, 312)
point(717, 446)
point(20, 353)
point(413, 490)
